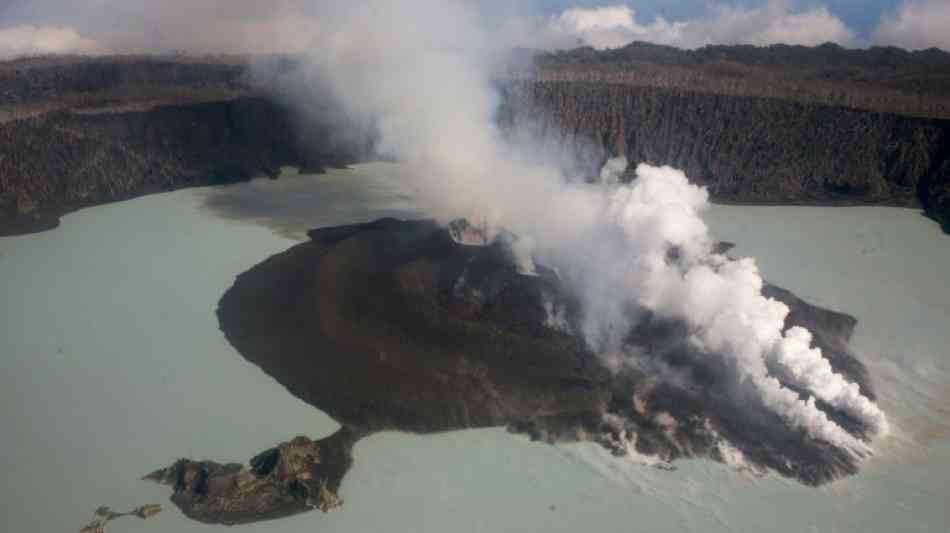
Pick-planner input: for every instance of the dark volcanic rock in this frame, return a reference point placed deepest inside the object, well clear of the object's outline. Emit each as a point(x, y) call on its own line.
point(294, 477)
point(392, 325)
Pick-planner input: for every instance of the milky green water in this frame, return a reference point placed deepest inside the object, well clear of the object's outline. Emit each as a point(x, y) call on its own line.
point(113, 365)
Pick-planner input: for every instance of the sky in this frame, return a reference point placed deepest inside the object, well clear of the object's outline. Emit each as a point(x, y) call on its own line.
point(862, 15)
point(29, 27)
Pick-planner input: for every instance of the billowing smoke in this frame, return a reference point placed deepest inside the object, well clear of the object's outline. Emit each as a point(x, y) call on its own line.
point(421, 73)
point(720, 299)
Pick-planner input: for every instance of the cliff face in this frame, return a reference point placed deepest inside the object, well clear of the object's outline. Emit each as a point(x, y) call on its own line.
point(747, 149)
point(883, 79)
point(29, 80)
point(58, 162)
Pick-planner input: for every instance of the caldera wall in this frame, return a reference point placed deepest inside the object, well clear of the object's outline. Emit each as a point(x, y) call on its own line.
point(747, 149)
point(57, 162)
point(142, 126)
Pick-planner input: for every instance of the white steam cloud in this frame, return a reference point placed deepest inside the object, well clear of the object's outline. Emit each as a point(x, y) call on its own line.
point(430, 95)
point(722, 301)
point(613, 170)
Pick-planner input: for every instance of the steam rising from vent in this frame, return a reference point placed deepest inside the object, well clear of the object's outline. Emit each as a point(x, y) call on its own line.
point(722, 301)
point(613, 170)
point(623, 249)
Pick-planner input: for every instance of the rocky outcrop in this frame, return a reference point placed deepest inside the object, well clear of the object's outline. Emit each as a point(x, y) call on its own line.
point(104, 515)
point(294, 477)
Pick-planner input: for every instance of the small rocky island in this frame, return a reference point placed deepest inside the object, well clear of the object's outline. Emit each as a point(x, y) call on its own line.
point(296, 476)
point(397, 325)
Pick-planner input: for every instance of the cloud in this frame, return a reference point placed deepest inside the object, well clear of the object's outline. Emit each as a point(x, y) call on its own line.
point(194, 26)
point(916, 24)
point(776, 23)
point(21, 41)
point(617, 25)
point(613, 27)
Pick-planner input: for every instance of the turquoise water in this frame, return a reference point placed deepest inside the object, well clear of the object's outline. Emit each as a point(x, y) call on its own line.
point(889, 267)
point(114, 366)
point(113, 363)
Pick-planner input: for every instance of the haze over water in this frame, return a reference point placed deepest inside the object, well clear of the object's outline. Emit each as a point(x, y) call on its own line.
point(114, 366)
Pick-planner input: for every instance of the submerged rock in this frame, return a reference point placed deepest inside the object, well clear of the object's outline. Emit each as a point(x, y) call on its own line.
point(104, 515)
point(397, 325)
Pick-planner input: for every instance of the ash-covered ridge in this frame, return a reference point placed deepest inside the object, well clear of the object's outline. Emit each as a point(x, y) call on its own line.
point(400, 325)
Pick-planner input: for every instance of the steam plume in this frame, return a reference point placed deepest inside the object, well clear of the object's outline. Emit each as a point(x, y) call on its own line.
point(421, 73)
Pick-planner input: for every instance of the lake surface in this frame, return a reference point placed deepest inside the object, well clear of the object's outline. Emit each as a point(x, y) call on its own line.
point(114, 366)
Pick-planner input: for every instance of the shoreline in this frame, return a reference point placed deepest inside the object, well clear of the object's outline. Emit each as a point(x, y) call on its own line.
point(50, 218)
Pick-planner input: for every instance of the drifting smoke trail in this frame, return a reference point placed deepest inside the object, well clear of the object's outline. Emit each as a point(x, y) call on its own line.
point(429, 93)
point(722, 301)
point(806, 367)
